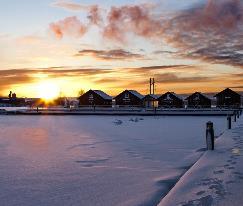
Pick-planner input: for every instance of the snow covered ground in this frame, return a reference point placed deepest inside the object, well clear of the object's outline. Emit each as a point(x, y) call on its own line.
point(216, 179)
point(96, 160)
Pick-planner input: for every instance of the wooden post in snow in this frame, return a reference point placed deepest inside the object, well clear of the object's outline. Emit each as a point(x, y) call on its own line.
point(238, 114)
point(234, 116)
point(210, 136)
point(229, 121)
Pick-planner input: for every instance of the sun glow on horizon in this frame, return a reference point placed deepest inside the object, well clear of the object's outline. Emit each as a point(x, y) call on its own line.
point(48, 90)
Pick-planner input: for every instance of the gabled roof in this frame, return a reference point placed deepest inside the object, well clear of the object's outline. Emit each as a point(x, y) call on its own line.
point(137, 94)
point(227, 90)
point(153, 96)
point(102, 94)
point(173, 93)
point(199, 94)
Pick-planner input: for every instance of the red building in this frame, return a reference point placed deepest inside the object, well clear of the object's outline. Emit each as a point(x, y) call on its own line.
point(198, 100)
point(228, 98)
point(170, 100)
point(129, 98)
point(95, 98)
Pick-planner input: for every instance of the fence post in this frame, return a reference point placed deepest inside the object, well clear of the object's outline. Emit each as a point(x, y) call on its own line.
point(210, 136)
point(238, 114)
point(229, 121)
point(234, 116)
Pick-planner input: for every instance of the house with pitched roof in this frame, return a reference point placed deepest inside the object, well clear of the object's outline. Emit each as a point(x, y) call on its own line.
point(198, 100)
point(129, 98)
point(170, 100)
point(228, 98)
point(95, 98)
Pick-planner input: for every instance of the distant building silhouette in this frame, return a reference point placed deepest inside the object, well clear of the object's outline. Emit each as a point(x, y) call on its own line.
point(129, 98)
point(150, 101)
point(170, 100)
point(12, 101)
point(95, 98)
point(228, 98)
point(198, 100)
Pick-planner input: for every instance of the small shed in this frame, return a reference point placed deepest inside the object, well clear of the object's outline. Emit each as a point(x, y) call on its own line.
point(170, 100)
point(4, 102)
point(13, 102)
point(95, 98)
point(198, 100)
point(151, 101)
point(129, 98)
point(228, 98)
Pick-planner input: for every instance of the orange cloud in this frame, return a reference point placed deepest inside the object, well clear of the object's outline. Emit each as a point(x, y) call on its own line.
point(178, 78)
point(70, 26)
point(117, 54)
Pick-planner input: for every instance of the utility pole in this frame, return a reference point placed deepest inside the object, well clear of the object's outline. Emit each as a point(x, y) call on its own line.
point(151, 86)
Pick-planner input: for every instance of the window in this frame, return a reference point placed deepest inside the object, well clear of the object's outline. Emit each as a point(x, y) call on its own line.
point(91, 97)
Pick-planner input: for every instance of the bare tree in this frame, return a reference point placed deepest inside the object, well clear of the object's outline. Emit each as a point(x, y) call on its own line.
point(81, 92)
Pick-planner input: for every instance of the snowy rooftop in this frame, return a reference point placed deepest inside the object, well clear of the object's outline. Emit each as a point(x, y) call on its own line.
point(102, 94)
point(154, 96)
point(137, 94)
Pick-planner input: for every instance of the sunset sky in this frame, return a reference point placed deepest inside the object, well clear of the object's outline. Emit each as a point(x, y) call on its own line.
point(114, 45)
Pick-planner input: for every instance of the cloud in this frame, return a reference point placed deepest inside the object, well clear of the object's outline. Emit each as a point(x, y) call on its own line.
point(117, 54)
point(131, 19)
point(4, 36)
point(178, 78)
point(70, 26)
point(210, 32)
point(70, 5)
point(14, 77)
point(94, 15)
point(29, 39)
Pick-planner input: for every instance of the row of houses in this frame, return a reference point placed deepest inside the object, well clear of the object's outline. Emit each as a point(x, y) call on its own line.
point(12, 100)
point(225, 98)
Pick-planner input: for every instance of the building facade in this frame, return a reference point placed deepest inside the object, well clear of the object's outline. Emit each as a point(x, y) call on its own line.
point(129, 98)
point(198, 100)
point(170, 100)
point(228, 98)
point(95, 98)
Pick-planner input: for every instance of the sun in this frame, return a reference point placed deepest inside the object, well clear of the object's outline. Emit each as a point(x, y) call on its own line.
point(48, 90)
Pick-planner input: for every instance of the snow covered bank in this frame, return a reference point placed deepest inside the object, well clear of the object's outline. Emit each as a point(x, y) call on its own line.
point(216, 179)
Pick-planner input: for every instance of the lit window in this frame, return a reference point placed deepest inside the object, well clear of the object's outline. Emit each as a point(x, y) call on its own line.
point(126, 95)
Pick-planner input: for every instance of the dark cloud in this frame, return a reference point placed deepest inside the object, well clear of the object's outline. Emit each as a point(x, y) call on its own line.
point(14, 77)
point(155, 69)
point(212, 32)
point(117, 54)
point(169, 78)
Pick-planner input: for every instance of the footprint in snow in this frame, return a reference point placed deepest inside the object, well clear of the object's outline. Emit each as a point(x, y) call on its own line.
point(230, 182)
point(219, 172)
point(117, 122)
point(200, 193)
